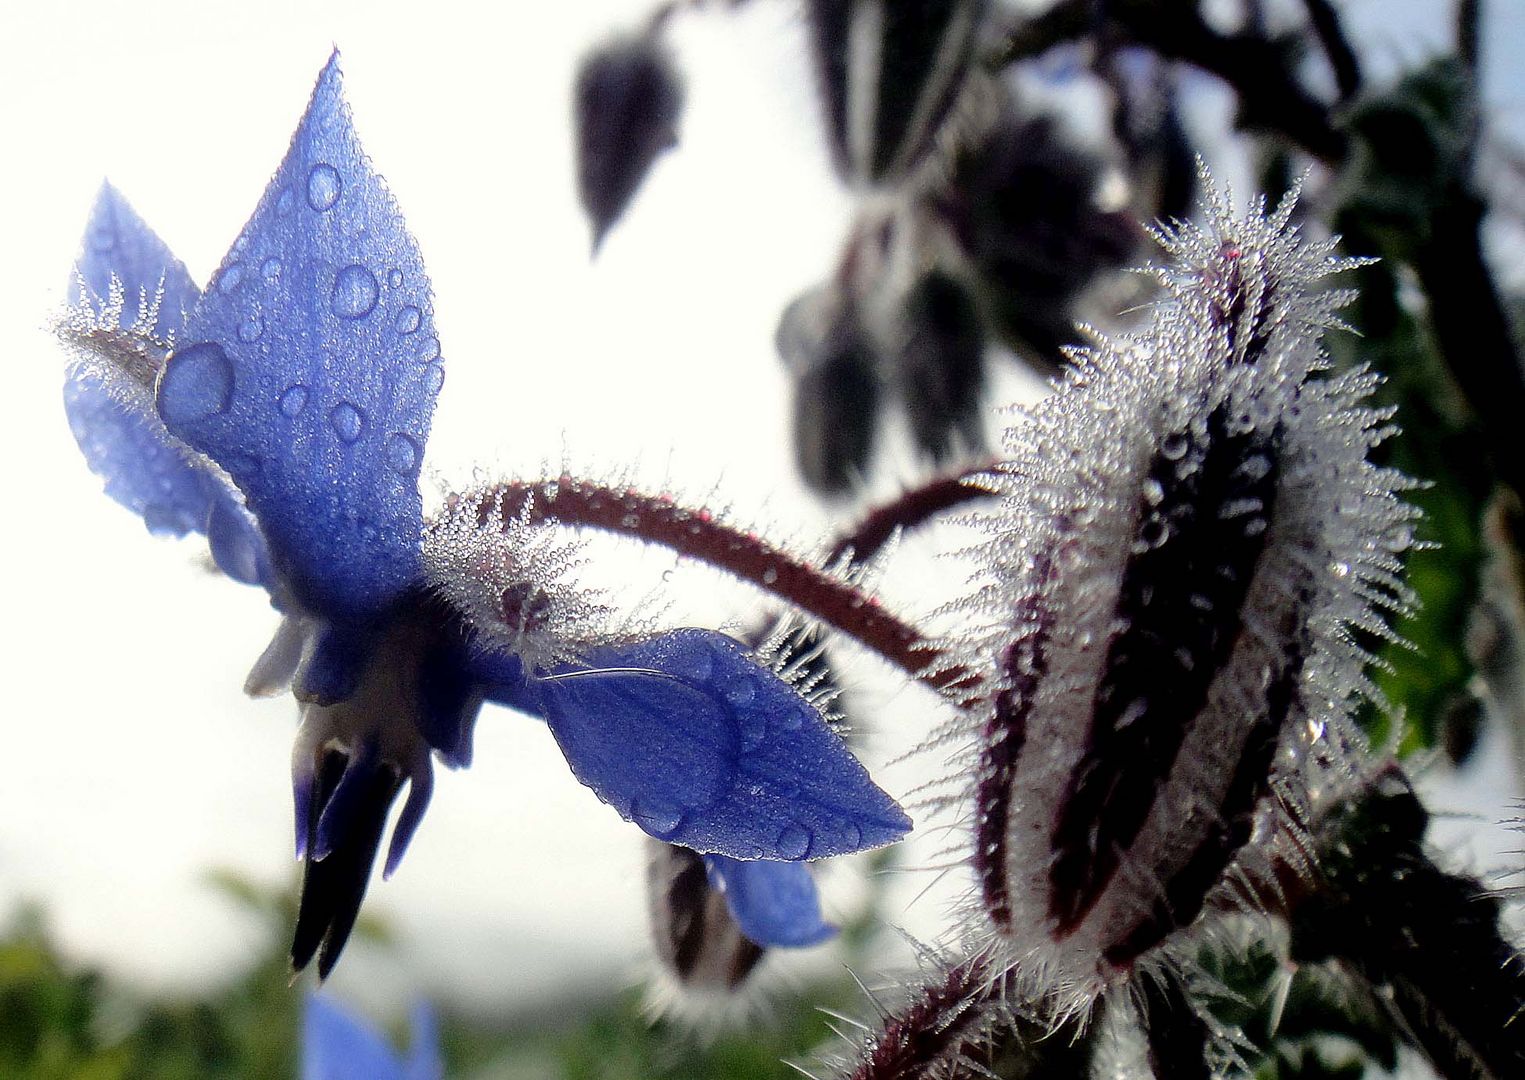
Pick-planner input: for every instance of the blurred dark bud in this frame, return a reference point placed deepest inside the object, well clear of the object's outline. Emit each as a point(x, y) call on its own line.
point(890, 73)
point(1022, 202)
point(822, 339)
point(626, 106)
point(939, 365)
point(1146, 122)
point(1461, 724)
point(696, 938)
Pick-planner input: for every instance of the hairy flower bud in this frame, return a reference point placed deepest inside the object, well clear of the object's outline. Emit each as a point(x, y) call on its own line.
point(1188, 531)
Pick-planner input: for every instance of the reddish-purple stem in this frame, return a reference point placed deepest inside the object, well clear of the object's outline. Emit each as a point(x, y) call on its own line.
point(698, 535)
point(942, 1023)
point(913, 508)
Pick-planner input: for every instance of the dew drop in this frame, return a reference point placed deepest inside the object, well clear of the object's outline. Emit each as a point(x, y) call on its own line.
point(197, 383)
point(231, 278)
point(1154, 532)
point(434, 378)
point(394, 278)
point(403, 454)
point(660, 821)
point(292, 401)
point(408, 319)
point(271, 270)
point(323, 187)
point(793, 842)
point(355, 292)
point(740, 692)
point(285, 202)
point(251, 327)
point(347, 421)
point(754, 729)
point(1154, 492)
point(1174, 446)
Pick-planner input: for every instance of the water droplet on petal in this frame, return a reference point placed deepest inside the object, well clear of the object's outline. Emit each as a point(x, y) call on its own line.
point(197, 383)
point(403, 454)
point(394, 278)
point(347, 421)
point(793, 842)
point(1174, 446)
point(271, 270)
point(251, 327)
point(434, 378)
point(323, 187)
point(231, 278)
point(355, 292)
point(408, 319)
point(293, 400)
point(285, 202)
point(754, 728)
point(660, 821)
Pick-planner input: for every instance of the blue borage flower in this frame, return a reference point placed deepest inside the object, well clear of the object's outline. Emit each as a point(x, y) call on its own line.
point(289, 424)
point(338, 1045)
point(1189, 532)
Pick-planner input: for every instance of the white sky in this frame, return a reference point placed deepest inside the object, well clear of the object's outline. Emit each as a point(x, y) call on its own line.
point(133, 761)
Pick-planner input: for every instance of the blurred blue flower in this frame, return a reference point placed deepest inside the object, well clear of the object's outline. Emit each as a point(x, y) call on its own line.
point(288, 423)
point(337, 1045)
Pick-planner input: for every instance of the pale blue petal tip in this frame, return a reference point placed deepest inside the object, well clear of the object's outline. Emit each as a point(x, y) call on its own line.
point(337, 1045)
point(119, 243)
point(691, 737)
point(310, 370)
point(774, 903)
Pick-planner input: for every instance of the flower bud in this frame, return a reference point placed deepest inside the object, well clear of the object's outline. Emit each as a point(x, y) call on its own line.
point(1188, 532)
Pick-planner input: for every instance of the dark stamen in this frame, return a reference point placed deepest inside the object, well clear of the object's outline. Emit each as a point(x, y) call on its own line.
point(333, 887)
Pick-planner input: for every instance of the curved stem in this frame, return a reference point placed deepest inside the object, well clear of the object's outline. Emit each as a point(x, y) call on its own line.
point(910, 510)
point(699, 535)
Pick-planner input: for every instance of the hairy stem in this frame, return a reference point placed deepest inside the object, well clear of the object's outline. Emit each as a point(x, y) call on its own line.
point(699, 535)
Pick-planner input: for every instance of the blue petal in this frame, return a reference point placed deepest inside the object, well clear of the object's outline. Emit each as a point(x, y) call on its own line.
point(331, 672)
point(424, 1062)
point(339, 1046)
point(233, 536)
point(774, 903)
point(145, 468)
point(451, 698)
point(699, 744)
point(118, 243)
point(311, 368)
point(503, 681)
